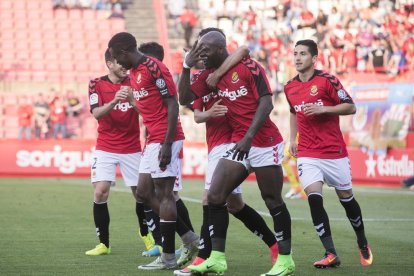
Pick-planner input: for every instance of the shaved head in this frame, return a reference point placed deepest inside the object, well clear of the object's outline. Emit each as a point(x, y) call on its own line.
point(213, 38)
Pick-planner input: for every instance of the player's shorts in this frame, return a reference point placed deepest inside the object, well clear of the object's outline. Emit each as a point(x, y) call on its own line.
point(104, 164)
point(150, 163)
point(258, 157)
point(334, 172)
point(213, 158)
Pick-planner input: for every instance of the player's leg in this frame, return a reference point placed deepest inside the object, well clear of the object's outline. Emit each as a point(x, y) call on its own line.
point(253, 221)
point(227, 176)
point(266, 163)
point(338, 174)
point(311, 176)
point(103, 172)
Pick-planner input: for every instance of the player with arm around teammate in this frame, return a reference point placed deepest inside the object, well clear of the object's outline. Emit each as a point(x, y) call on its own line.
point(316, 100)
point(118, 143)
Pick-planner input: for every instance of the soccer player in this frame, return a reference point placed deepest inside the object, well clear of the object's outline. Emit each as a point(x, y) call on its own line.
point(156, 50)
point(256, 145)
point(208, 110)
point(118, 142)
point(316, 100)
point(156, 99)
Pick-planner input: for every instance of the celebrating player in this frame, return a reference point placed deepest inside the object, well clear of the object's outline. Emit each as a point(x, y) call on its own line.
point(316, 100)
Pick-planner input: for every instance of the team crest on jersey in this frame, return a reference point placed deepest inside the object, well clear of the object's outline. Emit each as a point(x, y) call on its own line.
point(314, 90)
point(234, 77)
point(160, 83)
point(139, 78)
point(342, 94)
point(93, 99)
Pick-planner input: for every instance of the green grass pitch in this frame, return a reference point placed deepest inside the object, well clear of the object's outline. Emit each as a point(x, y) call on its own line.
point(46, 225)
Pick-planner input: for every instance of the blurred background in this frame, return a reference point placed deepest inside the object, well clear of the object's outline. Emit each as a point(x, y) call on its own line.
point(49, 50)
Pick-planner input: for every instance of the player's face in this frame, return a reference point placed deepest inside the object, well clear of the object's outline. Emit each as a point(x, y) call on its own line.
point(117, 69)
point(122, 57)
point(210, 55)
point(303, 59)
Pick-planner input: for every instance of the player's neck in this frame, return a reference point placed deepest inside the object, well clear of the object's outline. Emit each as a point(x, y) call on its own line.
point(307, 75)
point(114, 78)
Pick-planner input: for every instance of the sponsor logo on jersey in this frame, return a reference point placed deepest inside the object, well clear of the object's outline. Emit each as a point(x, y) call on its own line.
point(93, 99)
point(124, 106)
point(299, 107)
point(342, 94)
point(160, 83)
point(208, 97)
point(140, 94)
point(314, 90)
point(234, 77)
point(233, 95)
point(139, 78)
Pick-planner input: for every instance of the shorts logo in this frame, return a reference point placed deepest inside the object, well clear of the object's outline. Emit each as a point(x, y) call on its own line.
point(342, 94)
point(93, 99)
point(234, 77)
point(314, 90)
point(160, 83)
point(139, 78)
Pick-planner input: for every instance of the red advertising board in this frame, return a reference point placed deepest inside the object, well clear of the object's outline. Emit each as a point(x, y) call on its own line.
point(72, 158)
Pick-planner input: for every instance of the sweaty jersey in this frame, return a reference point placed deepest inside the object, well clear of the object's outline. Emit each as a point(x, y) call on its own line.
point(319, 136)
point(152, 82)
point(218, 130)
point(240, 90)
point(118, 131)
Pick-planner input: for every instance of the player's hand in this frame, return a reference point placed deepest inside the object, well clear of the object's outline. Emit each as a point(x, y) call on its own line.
point(120, 95)
point(164, 156)
point(212, 81)
point(217, 110)
point(241, 149)
point(293, 149)
point(313, 109)
point(193, 56)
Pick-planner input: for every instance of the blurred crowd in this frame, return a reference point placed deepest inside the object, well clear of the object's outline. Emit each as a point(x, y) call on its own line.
point(353, 36)
point(50, 115)
point(115, 8)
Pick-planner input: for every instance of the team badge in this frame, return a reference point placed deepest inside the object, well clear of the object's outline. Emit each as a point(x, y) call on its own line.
point(342, 94)
point(234, 77)
point(139, 78)
point(314, 90)
point(160, 83)
point(93, 99)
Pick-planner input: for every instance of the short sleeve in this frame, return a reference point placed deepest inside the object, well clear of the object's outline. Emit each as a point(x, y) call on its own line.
point(94, 99)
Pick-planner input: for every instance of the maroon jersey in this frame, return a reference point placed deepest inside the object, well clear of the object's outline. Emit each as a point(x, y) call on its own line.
point(118, 132)
point(218, 130)
point(240, 90)
point(152, 82)
point(319, 136)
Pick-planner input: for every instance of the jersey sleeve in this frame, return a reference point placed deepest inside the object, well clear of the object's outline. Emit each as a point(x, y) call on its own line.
point(337, 92)
point(94, 98)
point(259, 82)
point(198, 104)
point(162, 77)
point(199, 85)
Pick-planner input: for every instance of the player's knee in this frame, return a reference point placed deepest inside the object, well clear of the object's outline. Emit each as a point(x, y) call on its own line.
point(101, 195)
point(273, 201)
point(233, 208)
point(216, 199)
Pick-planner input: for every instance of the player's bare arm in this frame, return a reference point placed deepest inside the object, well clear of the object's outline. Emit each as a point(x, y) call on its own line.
point(217, 110)
point(104, 110)
point(242, 148)
point(293, 147)
point(231, 61)
point(186, 96)
point(340, 109)
point(165, 151)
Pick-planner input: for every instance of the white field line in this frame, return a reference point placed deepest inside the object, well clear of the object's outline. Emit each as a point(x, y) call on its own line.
point(266, 214)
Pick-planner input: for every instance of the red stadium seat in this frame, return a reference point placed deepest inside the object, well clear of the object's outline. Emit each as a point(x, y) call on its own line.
point(19, 5)
point(6, 5)
point(25, 76)
point(40, 76)
point(10, 107)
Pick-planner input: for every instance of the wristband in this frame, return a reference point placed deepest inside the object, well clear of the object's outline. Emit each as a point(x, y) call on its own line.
point(185, 64)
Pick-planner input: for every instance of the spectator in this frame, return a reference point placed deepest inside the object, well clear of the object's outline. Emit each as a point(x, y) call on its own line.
point(378, 57)
point(188, 21)
point(25, 118)
point(74, 109)
point(58, 118)
point(41, 117)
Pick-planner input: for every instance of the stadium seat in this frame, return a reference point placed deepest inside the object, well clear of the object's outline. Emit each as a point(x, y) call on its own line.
point(10, 121)
point(33, 5)
point(39, 76)
point(25, 76)
point(10, 107)
point(60, 14)
point(5, 5)
point(19, 5)
point(11, 133)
